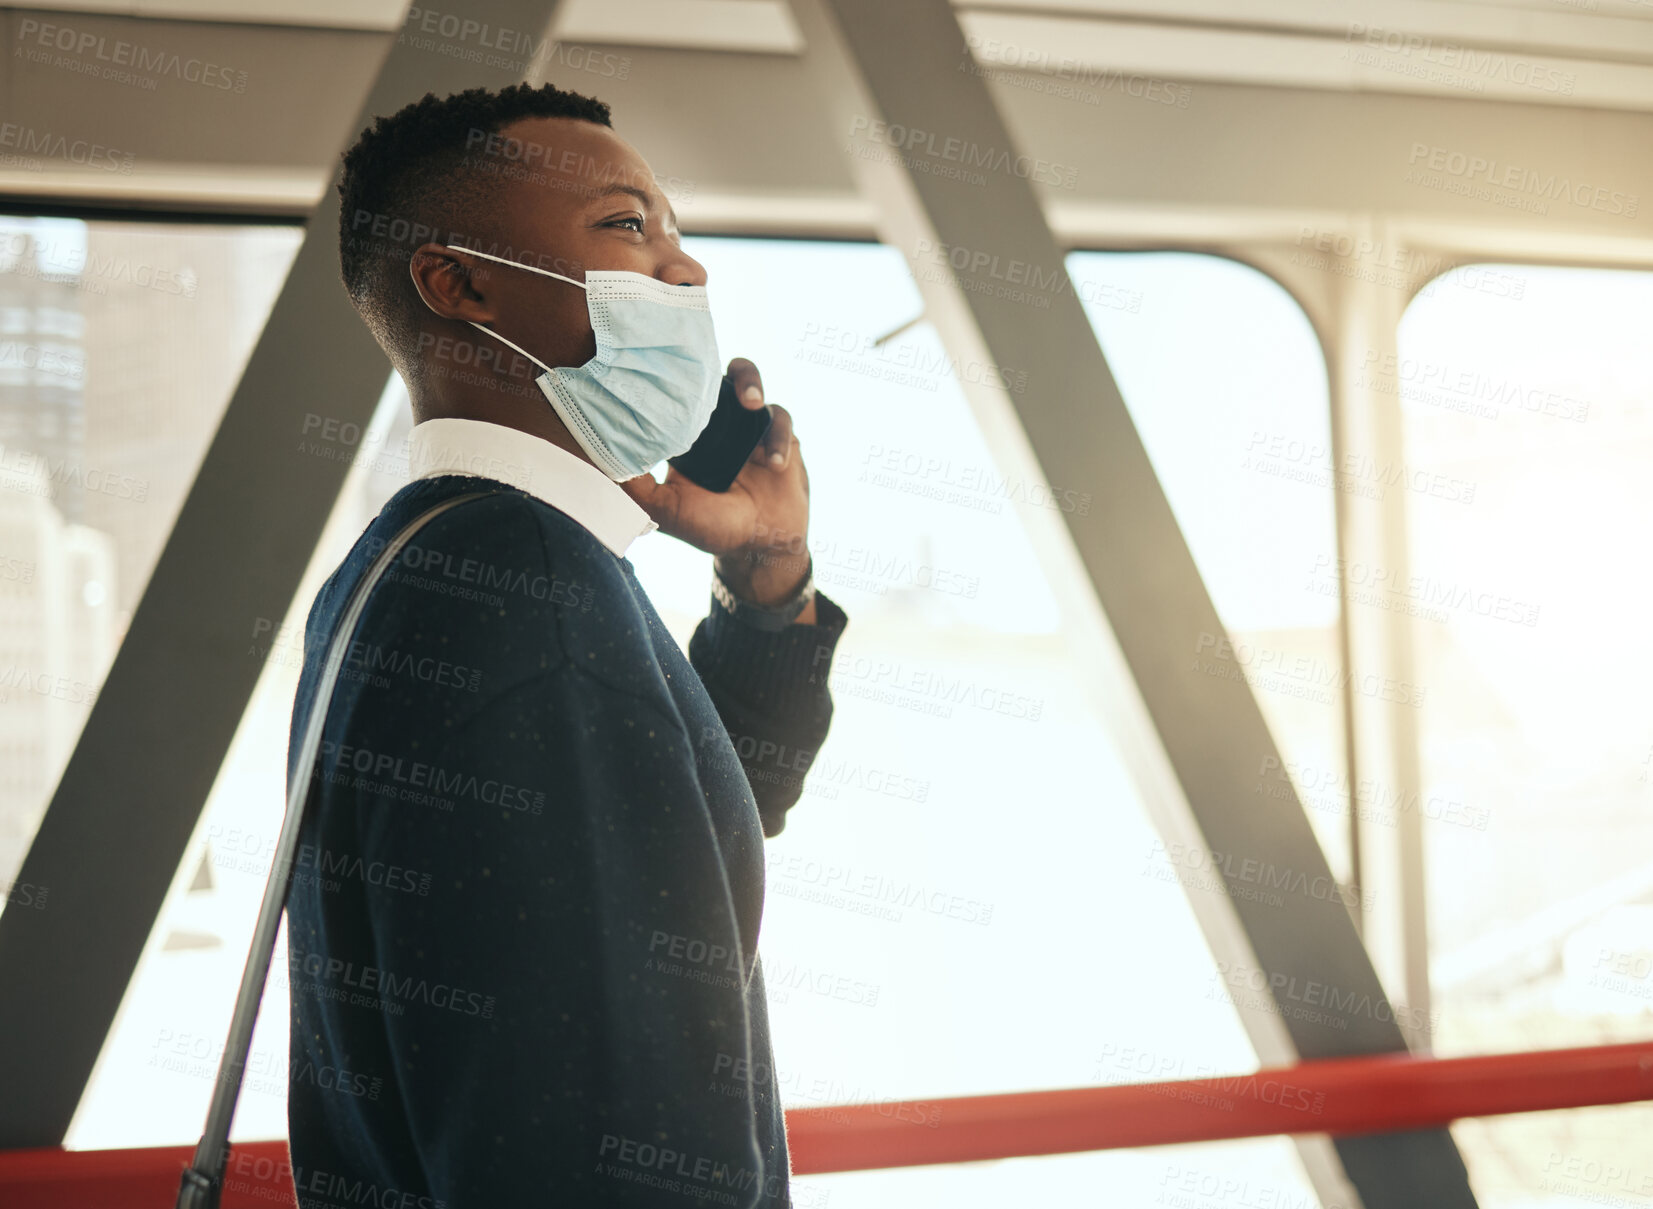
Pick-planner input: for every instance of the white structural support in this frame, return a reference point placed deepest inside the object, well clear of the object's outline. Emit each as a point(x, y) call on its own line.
point(1383, 757)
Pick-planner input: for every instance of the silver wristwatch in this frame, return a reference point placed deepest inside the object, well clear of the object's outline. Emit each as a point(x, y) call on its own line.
point(765, 617)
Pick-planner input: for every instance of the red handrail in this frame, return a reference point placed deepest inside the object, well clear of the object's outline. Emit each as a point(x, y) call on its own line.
point(1378, 1093)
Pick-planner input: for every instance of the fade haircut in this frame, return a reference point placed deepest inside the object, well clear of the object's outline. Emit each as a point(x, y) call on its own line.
point(415, 177)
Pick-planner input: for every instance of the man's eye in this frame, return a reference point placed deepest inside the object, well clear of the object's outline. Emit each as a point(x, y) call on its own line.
point(621, 222)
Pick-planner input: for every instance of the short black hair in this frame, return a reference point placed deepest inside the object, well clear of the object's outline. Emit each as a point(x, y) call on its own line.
point(406, 181)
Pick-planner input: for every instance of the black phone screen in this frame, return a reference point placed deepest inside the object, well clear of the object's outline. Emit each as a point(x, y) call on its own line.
point(721, 449)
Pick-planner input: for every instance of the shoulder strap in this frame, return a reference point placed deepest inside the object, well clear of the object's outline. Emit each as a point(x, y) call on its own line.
point(203, 1179)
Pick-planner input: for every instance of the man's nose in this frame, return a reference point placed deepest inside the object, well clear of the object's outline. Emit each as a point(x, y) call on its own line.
point(682, 270)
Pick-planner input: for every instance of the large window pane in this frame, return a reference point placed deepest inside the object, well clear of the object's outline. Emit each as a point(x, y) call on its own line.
point(119, 346)
point(1534, 384)
point(1224, 379)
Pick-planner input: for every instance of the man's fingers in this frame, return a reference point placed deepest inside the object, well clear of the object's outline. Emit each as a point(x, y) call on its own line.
point(660, 500)
point(748, 383)
point(775, 450)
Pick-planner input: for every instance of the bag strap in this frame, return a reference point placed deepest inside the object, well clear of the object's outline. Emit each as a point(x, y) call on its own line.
point(202, 1181)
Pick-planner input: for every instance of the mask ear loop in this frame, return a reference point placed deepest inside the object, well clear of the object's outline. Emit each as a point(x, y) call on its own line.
point(517, 265)
point(490, 331)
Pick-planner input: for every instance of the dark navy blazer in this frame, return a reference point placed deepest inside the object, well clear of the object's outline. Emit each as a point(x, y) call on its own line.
point(524, 920)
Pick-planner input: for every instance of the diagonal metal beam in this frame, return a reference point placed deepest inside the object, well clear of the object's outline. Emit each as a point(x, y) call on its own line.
point(132, 793)
point(919, 126)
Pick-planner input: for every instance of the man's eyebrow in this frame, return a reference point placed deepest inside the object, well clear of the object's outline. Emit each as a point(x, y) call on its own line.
point(632, 190)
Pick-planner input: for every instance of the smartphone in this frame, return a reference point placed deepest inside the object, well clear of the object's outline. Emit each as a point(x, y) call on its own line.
point(721, 449)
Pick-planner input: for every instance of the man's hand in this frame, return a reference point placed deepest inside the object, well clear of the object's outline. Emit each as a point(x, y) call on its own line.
point(758, 528)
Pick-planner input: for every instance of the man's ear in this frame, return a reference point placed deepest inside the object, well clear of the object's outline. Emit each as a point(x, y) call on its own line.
point(445, 285)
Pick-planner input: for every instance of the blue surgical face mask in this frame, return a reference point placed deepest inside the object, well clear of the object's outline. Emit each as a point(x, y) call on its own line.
point(652, 386)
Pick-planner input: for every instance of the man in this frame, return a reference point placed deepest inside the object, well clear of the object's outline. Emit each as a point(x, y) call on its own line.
point(524, 921)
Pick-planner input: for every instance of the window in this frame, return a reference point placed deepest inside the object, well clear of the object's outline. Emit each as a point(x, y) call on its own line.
point(119, 346)
point(1535, 385)
point(1225, 381)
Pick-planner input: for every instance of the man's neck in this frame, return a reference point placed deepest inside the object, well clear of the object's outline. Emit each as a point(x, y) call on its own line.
point(537, 421)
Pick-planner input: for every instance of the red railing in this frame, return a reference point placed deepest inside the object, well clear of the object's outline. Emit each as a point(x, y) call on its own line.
point(1344, 1096)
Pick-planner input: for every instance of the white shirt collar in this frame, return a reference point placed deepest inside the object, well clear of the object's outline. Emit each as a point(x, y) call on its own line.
point(533, 464)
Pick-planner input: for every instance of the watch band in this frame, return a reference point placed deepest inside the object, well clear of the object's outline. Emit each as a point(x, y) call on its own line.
point(765, 617)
